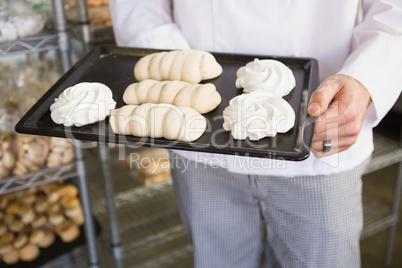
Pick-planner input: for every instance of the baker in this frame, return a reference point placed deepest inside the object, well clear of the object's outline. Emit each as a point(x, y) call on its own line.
point(311, 211)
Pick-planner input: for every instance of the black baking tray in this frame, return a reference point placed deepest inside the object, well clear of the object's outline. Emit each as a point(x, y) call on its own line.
point(113, 66)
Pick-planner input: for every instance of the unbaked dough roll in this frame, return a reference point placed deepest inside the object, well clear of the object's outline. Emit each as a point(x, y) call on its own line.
point(201, 97)
point(157, 121)
point(188, 65)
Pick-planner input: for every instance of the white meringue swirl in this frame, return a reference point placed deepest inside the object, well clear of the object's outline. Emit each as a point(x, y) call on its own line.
point(82, 104)
point(257, 115)
point(266, 75)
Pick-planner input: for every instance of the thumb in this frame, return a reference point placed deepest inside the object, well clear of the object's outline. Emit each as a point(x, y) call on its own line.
point(323, 96)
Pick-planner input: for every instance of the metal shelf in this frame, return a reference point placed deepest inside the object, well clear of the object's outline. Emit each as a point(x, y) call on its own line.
point(386, 152)
point(148, 218)
point(44, 41)
point(32, 179)
point(150, 229)
point(377, 217)
point(174, 258)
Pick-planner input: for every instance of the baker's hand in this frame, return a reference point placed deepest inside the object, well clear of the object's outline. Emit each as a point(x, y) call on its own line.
point(342, 121)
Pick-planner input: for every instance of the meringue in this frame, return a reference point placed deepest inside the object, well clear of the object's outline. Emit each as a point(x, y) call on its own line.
point(265, 75)
point(82, 104)
point(257, 115)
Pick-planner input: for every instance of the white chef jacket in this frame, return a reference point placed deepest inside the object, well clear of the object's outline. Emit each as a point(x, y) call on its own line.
point(325, 30)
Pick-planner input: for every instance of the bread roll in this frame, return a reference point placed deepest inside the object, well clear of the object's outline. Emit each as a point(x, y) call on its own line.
point(47, 240)
point(27, 214)
point(11, 257)
point(3, 203)
point(190, 65)
point(69, 202)
point(201, 97)
point(54, 159)
point(41, 205)
point(3, 229)
point(56, 218)
point(13, 208)
point(157, 121)
point(6, 238)
point(5, 247)
point(29, 199)
point(68, 231)
point(53, 197)
point(36, 236)
point(68, 156)
point(29, 252)
point(48, 188)
point(16, 226)
point(9, 218)
point(54, 208)
point(69, 190)
point(75, 214)
point(20, 241)
point(40, 221)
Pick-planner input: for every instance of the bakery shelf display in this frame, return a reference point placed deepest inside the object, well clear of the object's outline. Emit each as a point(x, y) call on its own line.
point(24, 28)
point(28, 160)
point(36, 219)
point(39, 173)
point(32, 174)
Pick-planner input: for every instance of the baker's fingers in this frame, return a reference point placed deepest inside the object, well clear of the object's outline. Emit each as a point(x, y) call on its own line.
point(340, 122)
point(323, 96)
point(333, 131)
point(335, 143)
point(337, 146)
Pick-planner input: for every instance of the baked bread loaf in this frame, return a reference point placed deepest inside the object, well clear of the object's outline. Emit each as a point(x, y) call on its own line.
point(157, 121)
point(189, 65)
point(201, 97)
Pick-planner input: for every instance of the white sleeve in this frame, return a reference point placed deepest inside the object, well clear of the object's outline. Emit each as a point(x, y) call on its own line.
point(145, 23)
point(376, 56)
